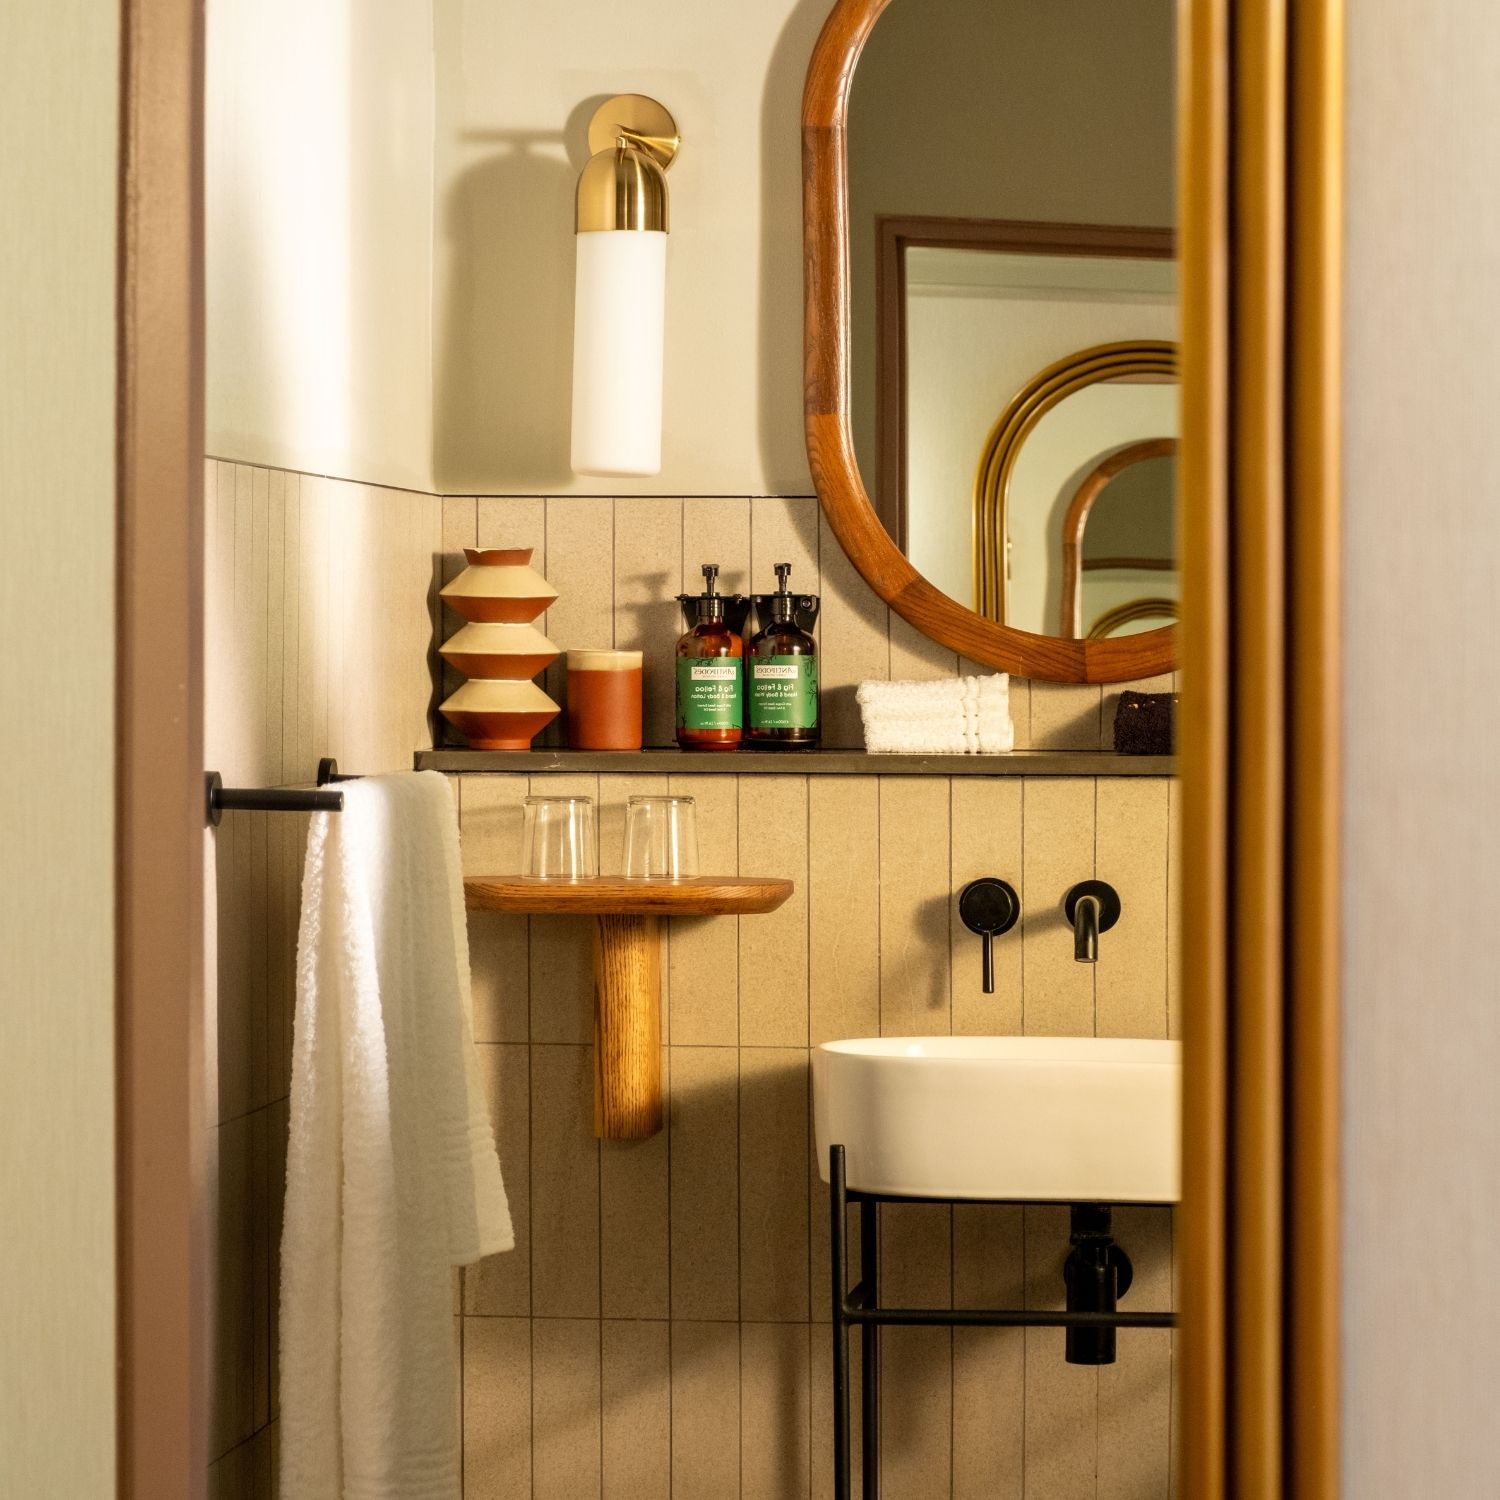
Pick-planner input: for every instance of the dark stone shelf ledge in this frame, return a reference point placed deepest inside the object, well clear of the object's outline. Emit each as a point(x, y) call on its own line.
point(667, 762)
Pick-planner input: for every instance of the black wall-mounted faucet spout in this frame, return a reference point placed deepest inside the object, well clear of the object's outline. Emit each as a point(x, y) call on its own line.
point(1092, 906)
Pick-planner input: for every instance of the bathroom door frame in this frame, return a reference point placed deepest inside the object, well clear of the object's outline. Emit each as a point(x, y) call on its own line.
point(1261, 237)
point(1262, 115)
point(161, 1204)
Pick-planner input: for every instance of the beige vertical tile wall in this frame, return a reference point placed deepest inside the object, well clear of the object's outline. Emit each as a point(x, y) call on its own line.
point(678, 1288)
point(661, 1328)
point(319, 617)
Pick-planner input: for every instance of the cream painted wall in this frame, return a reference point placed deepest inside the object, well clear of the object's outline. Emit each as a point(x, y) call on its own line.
point(308, 370)
point(59, 66)
point(1422, 722)
point(319, 187)
point(516, 86)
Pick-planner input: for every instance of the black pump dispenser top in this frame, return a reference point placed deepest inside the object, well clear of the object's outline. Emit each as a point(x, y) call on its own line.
point(710, 601)
point(784, 607)
point(711, 607)
point(781, 600)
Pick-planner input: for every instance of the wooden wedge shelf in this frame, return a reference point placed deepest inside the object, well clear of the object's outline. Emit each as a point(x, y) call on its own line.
point(617, 896)
point(627, 969)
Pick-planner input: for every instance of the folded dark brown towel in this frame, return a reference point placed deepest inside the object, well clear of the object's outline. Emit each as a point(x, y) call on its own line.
point(1144, 723)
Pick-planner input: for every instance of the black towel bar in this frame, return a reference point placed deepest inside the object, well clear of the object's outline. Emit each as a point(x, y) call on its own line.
point(222, 799)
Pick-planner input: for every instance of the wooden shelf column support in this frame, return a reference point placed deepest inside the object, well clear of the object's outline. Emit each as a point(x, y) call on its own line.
point(627, 1027)
point(627, 970)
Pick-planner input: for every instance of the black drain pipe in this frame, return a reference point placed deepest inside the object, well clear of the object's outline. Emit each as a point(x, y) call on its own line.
point(1097, 1274)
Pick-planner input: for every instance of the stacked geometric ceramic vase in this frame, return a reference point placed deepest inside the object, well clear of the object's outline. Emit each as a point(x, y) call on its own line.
point(498, 648)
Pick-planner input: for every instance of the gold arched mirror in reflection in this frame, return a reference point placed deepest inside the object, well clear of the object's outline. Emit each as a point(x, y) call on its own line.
point(1057, 441)
point(1137, 615)
point(1119, 538)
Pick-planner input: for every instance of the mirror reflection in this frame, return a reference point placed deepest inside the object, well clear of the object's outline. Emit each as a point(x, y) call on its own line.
point(1119, 573)
point(1013, 327)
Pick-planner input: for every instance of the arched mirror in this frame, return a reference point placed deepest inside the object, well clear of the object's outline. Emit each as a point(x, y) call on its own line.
point(1073, 427)
point(1119, 548)
point(991, 322)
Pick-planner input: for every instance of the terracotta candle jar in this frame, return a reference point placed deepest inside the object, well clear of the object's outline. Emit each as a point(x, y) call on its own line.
point(604, 700)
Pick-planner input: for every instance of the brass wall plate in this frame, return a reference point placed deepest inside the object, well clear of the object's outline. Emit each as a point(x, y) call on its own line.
point(642, 120)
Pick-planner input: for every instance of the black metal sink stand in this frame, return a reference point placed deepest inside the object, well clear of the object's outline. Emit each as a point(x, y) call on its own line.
point(860, 1306)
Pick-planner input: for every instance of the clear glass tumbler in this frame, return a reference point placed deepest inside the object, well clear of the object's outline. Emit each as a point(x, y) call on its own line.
point(661, 838)
point(559, 839)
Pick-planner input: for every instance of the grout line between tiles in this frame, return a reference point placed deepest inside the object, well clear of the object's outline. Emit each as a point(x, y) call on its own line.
point(952, 1234)
point(1167, 912)
point(1096, 1434)
point(879, 909)
point(531, 1320)
point(1094, 968)
point(1171, 1352)
point(667, 1126)
point(1021, 886)
point(599, 1242)
point(1025, 1354)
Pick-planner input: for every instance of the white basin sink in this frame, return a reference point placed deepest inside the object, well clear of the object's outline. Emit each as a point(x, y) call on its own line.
point(1031, 1119)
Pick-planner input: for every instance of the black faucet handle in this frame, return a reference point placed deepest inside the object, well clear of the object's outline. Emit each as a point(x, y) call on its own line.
point(989, 907)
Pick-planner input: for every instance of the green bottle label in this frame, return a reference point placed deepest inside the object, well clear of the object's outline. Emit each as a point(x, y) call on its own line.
point(709, 692)
point(784, 692)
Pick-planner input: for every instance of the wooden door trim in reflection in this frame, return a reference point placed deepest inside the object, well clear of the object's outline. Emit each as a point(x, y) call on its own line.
point(830, 443)
point(161, 1134)
point(895, 234)
point(1261, 179)
point(1094, 485)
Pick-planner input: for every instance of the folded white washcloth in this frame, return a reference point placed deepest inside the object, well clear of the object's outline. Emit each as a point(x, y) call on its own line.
point(913, 739)
point(953, 716)
point(994, 734)
point(910, 697)
point(392, 1176)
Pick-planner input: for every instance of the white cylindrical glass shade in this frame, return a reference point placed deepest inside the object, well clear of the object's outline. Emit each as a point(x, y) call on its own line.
point(619, 315)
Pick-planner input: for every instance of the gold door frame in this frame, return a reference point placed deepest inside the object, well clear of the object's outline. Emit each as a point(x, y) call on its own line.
point(1261, 174)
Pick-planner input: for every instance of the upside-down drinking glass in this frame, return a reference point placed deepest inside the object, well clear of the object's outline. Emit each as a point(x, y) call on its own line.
point(558, 838)
point(661, 838)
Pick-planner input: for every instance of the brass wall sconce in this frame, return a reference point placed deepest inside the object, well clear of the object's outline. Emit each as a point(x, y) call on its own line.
point(619, 306)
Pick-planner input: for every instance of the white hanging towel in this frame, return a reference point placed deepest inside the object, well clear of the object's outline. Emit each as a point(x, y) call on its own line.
point(392, 1175)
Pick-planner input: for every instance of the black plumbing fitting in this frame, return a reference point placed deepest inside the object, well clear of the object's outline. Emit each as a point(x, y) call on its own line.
point(1097, 1273)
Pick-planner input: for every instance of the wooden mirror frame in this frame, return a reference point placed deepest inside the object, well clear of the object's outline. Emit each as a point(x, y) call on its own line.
point(830, 442)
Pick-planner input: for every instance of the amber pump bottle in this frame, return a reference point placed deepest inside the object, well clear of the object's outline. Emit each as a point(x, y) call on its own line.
point(782, 662)
point(710, 673)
